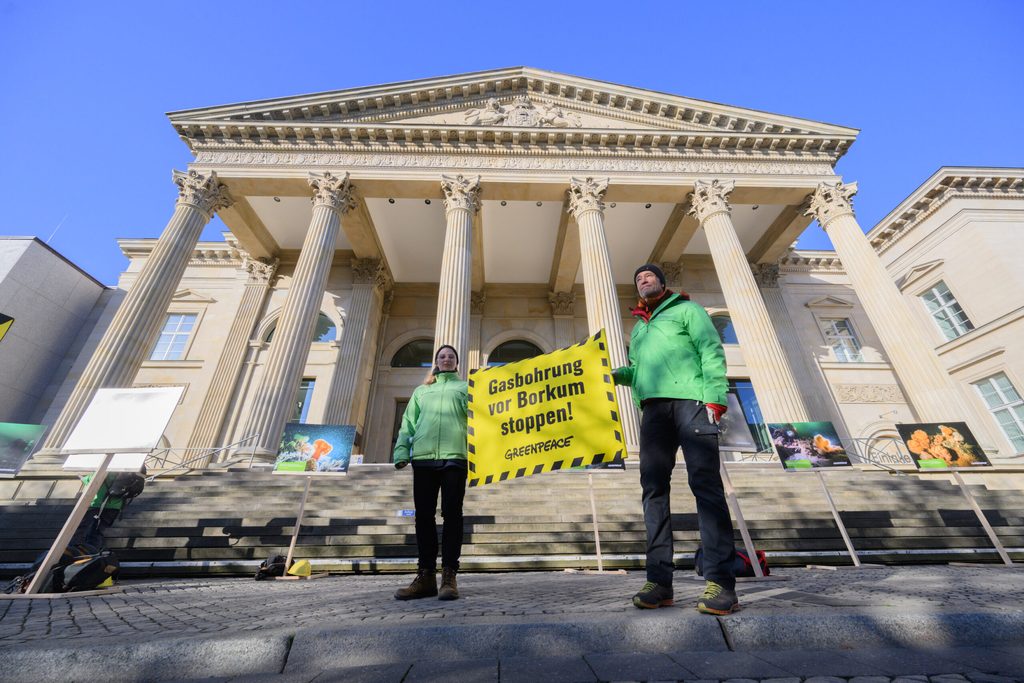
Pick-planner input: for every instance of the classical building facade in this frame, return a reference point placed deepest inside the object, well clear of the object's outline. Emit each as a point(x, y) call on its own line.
point(504, 212)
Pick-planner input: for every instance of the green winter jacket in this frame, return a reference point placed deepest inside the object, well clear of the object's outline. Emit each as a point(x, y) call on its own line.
point(434, 424)
point(678, 354)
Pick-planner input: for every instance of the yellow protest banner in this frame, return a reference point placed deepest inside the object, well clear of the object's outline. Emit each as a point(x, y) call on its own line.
point(543, 414)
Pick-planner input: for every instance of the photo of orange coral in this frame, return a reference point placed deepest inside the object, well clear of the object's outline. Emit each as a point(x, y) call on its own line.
point(945, 445)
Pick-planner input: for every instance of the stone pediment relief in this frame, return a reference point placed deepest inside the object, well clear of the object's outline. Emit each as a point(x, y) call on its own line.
point(829, 302)
point(522, 112)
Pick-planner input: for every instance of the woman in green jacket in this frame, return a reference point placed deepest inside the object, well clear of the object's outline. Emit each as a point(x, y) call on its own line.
point(433, 438)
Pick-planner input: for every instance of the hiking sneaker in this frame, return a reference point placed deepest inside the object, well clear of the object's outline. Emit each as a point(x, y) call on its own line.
point(717, 600)
point(653, 596)
point(423, 586)
point(449, 586)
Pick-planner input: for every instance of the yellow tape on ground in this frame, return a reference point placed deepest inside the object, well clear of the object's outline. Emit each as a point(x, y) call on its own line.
point(544, 414)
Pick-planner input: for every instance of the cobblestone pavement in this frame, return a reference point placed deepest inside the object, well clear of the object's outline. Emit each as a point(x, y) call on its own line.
point(763, 641)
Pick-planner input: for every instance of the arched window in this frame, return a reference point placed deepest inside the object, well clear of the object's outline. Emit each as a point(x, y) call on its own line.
point(418, 353)
point(511, 351)
point(325, 330)
point(723, 323)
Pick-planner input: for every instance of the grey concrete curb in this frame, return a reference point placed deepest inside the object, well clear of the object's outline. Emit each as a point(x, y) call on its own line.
point(885, 627)
point(151, 660)
point(325, 648)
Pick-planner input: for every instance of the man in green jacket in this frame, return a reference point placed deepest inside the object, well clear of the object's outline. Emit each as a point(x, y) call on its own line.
point(677, 373)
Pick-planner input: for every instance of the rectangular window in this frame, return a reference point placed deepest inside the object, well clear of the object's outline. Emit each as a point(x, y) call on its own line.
point(946, 312)
point(839, 335)
point(1006, 406)
point(173, 337)
point(301, 412)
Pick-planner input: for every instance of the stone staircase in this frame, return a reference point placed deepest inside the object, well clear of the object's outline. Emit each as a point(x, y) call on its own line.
point(226, 521)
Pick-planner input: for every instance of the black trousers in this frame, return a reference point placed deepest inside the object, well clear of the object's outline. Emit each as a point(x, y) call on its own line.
point(666, 425)
point(90, 529)
point(426, 482)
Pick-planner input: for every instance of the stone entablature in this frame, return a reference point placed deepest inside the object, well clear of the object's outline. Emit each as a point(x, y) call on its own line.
point(943, 186)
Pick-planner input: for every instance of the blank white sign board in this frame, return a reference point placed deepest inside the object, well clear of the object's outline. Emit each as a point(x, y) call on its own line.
point(122, 462)
point(125, 421)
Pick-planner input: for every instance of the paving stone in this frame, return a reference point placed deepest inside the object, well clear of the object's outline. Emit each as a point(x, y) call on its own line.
point(870, 679)
point(988, 660)
point(809, 663)
point(825, 679)
point(636, 667)
point(910, 679)
point(532, 669)
point(989, 678)
point(725, 665)
point(948, 678)
point(917, 664)
point(464, 671)
point(785, 680)
point(385, 673)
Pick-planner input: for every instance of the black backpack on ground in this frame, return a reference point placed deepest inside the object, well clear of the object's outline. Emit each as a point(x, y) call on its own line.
point(742, 566)
point(271, 567)
point(80, 567)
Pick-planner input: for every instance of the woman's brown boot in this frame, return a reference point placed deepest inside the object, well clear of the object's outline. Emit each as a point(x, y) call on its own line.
point(423, 586)
point(449, 586)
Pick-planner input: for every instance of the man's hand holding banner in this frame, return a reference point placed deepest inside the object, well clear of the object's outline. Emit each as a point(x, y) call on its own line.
point(544, 414)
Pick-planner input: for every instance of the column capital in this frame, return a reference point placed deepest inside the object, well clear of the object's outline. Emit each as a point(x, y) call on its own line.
point(333, 192)
point(709, 197)
point(201, 191)
point(766, 275)
point(476, 302)
point(562, 303)
point(830, 201)
point(461, 192)
point(261, 271)
point(370, 271)
point(586, 194)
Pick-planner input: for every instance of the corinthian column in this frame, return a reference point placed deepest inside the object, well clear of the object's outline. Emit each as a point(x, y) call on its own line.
point(461, 201)
point(916, 364)
point(289, 349)
point(586, 204)
point(138, 320)
point(358, 343)
point(777, 392)
point(210, 422)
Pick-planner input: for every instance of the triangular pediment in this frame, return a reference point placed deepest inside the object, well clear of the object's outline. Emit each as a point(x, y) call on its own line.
point(918, 272)
point(189, 296)
point(519, 97)
point(829, 302)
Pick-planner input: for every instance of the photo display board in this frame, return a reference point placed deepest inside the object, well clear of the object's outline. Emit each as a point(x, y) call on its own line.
point(942, 445)
point(319, 449)
point(807, 445)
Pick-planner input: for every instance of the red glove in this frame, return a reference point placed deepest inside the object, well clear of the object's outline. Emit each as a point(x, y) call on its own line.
point(715, 412)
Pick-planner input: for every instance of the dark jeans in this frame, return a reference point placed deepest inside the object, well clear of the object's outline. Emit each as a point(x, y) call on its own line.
point(90, 529)
point(426, 482)
point(666, 425)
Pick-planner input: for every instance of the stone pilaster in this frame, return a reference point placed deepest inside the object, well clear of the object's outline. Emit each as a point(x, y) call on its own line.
point(135, 326)
point(358, 343)
point(819, 402)
point(926, 384)
point(289, 349)
point(563, 313)
point(586, 204)
point(461, 202)
point(770, 373)
point(476, 318)
point(210, 423)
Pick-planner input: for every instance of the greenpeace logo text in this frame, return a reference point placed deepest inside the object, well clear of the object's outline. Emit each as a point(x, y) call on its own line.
point(538, 447)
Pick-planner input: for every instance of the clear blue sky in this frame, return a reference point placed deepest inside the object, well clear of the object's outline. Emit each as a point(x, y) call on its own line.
point(84, 86)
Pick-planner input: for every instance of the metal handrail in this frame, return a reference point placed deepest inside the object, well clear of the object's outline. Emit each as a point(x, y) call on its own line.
point(205, 454)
